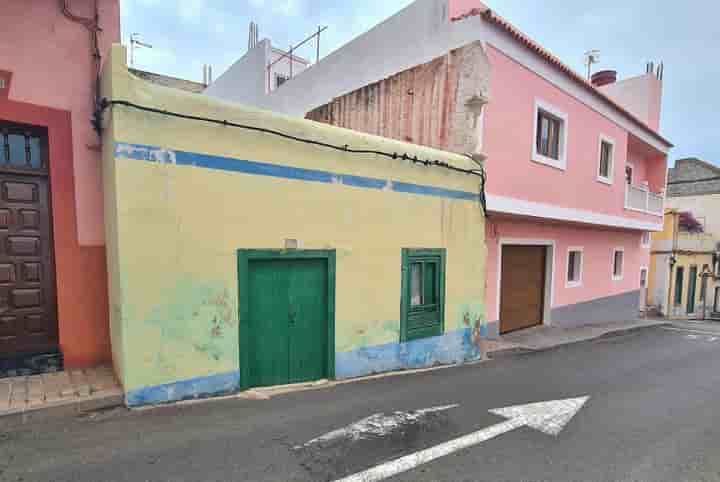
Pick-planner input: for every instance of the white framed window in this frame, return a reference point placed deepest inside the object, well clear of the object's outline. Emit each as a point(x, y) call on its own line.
point(606, 160)
point(645, 239)
point(574, 267)
point(618, 261)
point(550, 136)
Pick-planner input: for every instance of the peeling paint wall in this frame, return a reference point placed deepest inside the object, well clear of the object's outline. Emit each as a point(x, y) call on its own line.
point(182, 196)
point(426, 104)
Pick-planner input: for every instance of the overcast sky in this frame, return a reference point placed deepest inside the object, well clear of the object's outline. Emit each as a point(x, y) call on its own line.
point(185, 34)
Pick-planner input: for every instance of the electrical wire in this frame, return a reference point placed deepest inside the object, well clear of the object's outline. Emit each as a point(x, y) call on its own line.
point(88, 23)
point(93, 27)
point(105, 103)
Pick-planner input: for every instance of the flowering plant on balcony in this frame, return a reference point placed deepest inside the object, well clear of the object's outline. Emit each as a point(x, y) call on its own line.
point(689, 224)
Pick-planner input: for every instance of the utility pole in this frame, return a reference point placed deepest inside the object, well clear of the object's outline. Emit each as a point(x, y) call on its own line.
point(317, 55)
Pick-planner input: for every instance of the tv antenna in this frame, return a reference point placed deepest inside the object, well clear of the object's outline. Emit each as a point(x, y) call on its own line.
point(135, 43)
point(591, 57)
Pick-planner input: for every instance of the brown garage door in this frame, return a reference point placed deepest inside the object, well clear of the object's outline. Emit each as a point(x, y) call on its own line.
point(522, 287)
point(28, 314)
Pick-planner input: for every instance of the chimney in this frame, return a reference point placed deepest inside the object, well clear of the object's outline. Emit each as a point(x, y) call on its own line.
point(604, 77)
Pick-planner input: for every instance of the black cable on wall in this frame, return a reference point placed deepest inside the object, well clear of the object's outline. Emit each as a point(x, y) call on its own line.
point(105, 103)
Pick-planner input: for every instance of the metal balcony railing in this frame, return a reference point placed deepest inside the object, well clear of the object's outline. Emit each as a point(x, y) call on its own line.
point(640, 199)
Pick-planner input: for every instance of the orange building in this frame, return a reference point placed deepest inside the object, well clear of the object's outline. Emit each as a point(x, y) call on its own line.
point(53, 279)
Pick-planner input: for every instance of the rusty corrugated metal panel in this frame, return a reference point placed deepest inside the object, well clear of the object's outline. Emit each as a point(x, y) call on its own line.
point(416, 105)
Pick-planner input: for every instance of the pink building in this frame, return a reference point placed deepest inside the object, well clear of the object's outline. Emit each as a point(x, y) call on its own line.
point(53, 279)
point(576, 170)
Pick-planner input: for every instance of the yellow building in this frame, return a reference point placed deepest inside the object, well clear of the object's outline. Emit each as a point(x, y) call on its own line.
point(247, 248)
point(683, 279)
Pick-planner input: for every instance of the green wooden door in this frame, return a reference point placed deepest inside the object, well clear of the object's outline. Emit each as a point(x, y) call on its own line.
point(307, 300)
point(692, 284)
point(268, 323)
point(287, 320)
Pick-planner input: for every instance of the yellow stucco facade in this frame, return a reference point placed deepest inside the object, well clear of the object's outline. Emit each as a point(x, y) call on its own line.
point(182, 196)
point(677, 263)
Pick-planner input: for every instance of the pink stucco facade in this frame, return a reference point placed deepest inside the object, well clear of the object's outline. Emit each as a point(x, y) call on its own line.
point(458, 8)
point(509, 139)
point(48, 59)
point(51, 63)
point(597, 246)
point(531, 201)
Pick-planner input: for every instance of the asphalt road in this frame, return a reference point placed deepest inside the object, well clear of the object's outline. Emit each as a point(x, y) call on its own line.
point(653, 415)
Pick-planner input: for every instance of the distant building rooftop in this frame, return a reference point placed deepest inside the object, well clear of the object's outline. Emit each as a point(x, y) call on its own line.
point(693, 177)
point(167, 81)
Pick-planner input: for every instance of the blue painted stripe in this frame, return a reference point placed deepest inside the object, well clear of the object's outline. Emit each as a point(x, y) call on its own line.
point(433, 191)
point(451, 348)
point(251, 167)
point(183, 158)
point(201, 387)
point(454, 347)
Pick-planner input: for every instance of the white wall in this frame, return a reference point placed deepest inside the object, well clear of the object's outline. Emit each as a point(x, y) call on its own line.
point(245, 81)
point(282, 67)
point(660, 284)
point(416, 35)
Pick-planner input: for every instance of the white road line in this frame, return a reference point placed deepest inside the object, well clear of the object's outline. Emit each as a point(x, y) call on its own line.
point(548, 417)
point(688, 330)
point(377, 425)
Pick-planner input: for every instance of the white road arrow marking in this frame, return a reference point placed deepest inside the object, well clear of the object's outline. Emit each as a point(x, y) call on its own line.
point(377, 425)
point(549, 417)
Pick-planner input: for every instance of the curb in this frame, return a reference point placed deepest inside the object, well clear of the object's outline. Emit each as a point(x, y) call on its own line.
point(514, 351)
point(60, 410)
point(525, 350)
point(625, 331)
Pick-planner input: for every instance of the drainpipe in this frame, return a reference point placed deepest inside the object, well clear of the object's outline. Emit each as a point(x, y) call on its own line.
point(676, 224)
point(92, 24)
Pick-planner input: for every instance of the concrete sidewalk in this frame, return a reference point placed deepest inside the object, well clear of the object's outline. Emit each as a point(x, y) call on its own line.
point(65, 392)
point(544, 337)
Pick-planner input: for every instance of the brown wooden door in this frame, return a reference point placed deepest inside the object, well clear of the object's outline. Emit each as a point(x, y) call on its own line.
point(28, 315)
point(522, 289)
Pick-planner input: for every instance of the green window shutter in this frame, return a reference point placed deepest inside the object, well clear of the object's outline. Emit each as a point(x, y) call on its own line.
point(422, 302)
point(679, 281)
